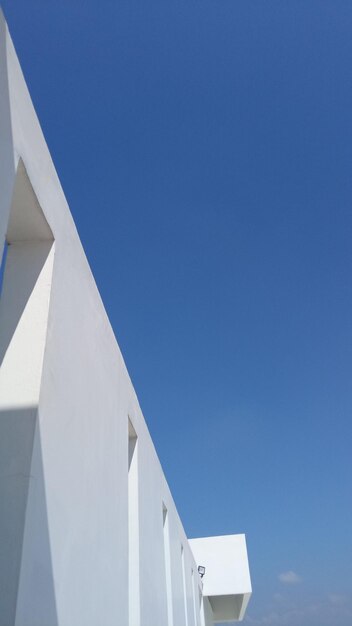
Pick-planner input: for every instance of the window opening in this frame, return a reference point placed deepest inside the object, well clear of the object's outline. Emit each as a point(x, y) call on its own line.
point(167, 558)
point(184, 584)
point(133, 528)
point(3, 263)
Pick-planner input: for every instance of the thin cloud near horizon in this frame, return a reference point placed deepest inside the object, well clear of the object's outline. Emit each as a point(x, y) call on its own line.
point(289, 578)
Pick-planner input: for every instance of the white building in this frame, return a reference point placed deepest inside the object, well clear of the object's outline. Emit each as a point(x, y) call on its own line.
point(89, 533)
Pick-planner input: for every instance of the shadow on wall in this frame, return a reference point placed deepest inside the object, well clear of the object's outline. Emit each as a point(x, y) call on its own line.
point(24, 263)
point(7, 165)
point(29, 241)
point(27, 593)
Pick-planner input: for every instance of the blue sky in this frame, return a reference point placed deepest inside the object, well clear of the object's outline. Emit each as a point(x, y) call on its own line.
point(205, 149)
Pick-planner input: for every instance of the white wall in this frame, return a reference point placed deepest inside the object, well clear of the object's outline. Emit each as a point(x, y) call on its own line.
point(226, 564)
point(70, 524)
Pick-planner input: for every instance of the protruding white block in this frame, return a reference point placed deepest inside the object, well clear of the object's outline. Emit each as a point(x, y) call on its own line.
point(226, 581)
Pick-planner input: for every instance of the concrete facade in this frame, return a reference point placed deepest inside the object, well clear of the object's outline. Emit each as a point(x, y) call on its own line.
point(89, 533)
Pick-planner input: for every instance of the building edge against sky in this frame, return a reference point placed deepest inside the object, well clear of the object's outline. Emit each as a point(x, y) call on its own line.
point(89, 532)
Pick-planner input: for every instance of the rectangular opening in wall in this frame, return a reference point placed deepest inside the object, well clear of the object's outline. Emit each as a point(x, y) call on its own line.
point(184, 584)
point(167, 557)
point(194, 591)
point(2, 264)
point(133, 528)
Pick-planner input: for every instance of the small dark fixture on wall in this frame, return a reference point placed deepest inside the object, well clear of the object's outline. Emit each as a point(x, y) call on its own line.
point(201, 570)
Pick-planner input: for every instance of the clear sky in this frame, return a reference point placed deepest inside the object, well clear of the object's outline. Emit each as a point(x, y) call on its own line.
point(205, 149)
